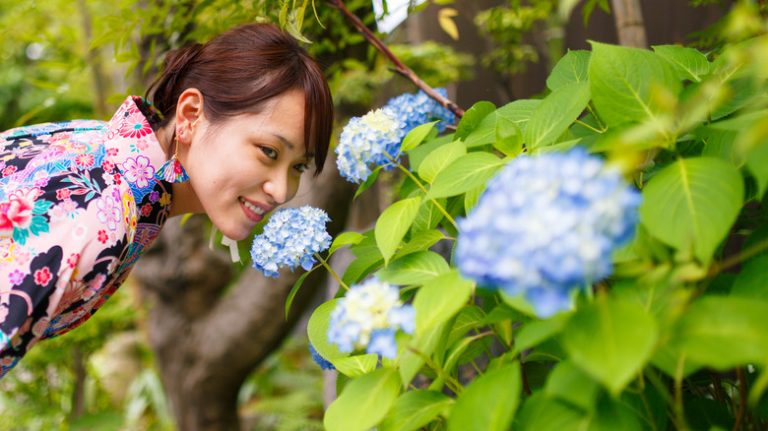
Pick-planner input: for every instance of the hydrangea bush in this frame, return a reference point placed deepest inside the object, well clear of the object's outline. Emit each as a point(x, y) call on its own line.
point(593, 259)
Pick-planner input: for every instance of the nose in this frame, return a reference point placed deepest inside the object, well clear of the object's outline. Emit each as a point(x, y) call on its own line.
point(279, 187)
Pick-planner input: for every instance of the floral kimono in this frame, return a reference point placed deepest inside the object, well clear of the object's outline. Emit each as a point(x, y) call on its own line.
point(79, 203)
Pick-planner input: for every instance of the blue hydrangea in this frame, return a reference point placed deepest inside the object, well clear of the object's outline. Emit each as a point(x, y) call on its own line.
point(370, 140)
point(547, 225)
point(319, 360)
point(368, 317)
point(417, 109)
point(290, 239)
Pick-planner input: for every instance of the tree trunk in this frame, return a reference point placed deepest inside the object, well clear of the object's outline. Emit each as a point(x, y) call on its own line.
point(208, 330)
point(629, 23)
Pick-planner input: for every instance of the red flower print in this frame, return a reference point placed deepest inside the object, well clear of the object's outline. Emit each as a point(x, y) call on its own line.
point(117, 179)
point(146, 210)
point(9, 170)
point(108, 166)
point(42, 276)
point(134, 126)
point(17, 211)
point(84, 160)
point(112, 152)
point(6, 227)
point(62, 194)
point(73, 259)
point(102, 236)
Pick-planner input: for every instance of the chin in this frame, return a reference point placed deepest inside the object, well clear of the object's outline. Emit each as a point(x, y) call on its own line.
point(232, 231)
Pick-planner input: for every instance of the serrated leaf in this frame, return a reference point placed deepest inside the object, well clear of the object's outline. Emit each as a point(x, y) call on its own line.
point(363, 402)
point(415, 409)
point(345, 238)
point(438, 159)
point(420, 241)
point(472, 118)
point(622, 81)
point(317, 331)
point(440, 299)
point(465, 173)
point(415, 268)
point(571, 68)
point(489, 402)
point(393, 224)
point(692, 203)
point(611, 340)
point(555, 114)
point(416, 136)
point(688, 63)
point(357, 365)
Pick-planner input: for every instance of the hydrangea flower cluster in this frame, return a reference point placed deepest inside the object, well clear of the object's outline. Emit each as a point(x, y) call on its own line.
point(547, 225)
point(291, 238)
point(374, 139)
point(417, 109)
point(368, 317)
point(319, 360)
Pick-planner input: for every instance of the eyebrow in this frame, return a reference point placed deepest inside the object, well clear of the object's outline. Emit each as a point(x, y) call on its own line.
point(290, 145)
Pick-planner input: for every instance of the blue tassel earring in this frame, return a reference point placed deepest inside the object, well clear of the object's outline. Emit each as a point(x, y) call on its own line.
point(172, 171)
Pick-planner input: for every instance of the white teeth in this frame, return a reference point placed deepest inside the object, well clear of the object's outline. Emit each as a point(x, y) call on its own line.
point(252, 207)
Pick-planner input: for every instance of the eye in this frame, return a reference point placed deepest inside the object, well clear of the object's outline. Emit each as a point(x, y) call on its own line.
point(301, 167)
point(269, 152)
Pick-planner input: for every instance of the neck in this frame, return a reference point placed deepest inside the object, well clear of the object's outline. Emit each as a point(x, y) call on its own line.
point(184, 200)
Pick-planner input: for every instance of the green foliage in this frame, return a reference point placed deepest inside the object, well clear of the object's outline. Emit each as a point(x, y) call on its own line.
point(674, 339)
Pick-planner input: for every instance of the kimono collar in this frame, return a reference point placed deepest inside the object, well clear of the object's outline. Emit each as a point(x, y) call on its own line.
point(133, 147)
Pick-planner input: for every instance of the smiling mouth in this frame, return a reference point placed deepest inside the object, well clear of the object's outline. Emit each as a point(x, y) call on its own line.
point(252, 211)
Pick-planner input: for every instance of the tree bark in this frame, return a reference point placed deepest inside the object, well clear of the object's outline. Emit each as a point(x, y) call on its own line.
point(208, 330)
point(629, 23)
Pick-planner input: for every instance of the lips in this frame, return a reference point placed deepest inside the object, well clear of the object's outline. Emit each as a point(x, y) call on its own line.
point(253, 210)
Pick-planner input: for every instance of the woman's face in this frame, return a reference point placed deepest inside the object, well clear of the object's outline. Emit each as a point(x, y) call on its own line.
point(244, 166)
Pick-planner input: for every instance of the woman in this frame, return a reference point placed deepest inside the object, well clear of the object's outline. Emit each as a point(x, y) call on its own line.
point(231, 127)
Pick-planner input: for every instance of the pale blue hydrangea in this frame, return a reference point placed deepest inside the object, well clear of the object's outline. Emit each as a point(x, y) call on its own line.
point(319, 359)
point(547, 225)
point(291, 238)
point(415, 109)
point(368, 317)
point(370, 140)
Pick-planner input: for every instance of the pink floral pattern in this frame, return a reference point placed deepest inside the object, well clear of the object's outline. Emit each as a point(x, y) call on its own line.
point(78, 206)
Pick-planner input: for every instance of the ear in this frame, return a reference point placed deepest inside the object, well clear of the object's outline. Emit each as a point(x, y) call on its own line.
point(189, 109)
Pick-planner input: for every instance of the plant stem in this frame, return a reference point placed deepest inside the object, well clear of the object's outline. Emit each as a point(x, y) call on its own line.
point(742, 399)
point(424, 189)
point(738, 258)
point(400, 67)
point(331, 271)
point(450, 381)
point(679, 411)
point(590, 127)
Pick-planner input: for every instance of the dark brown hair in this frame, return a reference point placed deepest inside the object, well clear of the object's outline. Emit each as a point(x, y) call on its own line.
point(241, 69)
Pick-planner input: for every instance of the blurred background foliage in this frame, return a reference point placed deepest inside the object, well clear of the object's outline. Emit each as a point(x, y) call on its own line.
point(65, 59)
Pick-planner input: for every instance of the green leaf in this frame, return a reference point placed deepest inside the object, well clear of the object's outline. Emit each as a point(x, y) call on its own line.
point(294, 290)
point(611, 340)
point(519, 111)
point(414, 268)
point(429, 215)
point(465, 173)
point(569, 383)
point(361, 266)
point(416, 136)
point(538, 331)
point(317, 331)
point(420, 241)
point(345, 238)
point(752, 280)
point(472, 118)
point(622, 82)
point(489, 402)
point(556, 113)
point(438, 159)
point(357, 365)
point(571, 68)
point(509, 137)
point(367, 183)
point(417, 155)
point(440, 299)
point(364, 402)
point(411, 362)
point(415, 409)
point(393, 224)
point(472, 197)
point(688, 63)
point(723, 332)
point(542, 413)
point(692, 203)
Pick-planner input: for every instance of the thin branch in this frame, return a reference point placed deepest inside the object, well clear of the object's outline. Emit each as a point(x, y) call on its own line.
point(742, 399)
point(400, 67)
